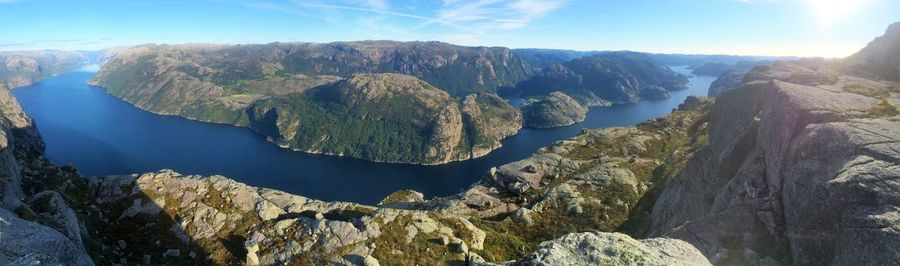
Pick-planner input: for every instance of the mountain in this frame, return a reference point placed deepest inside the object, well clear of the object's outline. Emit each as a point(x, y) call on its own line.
point(248, 85)
point(597, 80)
point(880, 58)
point(19, 69)
point(386, 117)
point(555, 110)
point(699, 59)
point(542, 58)
point(458, 70)
point(712, 69)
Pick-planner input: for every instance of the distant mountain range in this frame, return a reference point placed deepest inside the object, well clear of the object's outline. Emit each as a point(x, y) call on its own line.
point(603, 79)
point(19, 69)
point(273, 88)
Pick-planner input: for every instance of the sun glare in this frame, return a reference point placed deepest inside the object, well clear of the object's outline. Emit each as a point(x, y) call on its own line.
point(833, 11)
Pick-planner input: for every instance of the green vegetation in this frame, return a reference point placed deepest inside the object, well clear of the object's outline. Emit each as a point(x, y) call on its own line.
point(654, 152)
point(392, 248)
point(240, 87)
point(384, 130)
point(243, 85)
point(618, 77)
point(385, 117)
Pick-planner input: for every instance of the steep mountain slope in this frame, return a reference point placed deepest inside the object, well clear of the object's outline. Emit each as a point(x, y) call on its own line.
point(18, 69)
point(801, 168)
point(597, 80)
point(881, 58)
point(386, 117)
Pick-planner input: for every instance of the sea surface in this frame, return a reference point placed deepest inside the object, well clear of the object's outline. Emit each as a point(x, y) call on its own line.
point(102, 135)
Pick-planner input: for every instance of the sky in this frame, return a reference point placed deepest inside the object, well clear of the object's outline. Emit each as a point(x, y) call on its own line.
point(828, 28)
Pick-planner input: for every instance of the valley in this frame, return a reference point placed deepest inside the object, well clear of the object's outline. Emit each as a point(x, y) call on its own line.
point(301, 133)
point(102, 135)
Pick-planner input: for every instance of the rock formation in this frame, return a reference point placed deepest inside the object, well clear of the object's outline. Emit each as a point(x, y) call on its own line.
point(556, 110)
point(733, 77)
point(613, 249)
point(23, 242)
point(801, 168)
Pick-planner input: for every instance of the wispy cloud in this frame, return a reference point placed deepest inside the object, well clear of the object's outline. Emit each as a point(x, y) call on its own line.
point(50, 44)
point(486, 15)
point(369, 9)
point(458, 21)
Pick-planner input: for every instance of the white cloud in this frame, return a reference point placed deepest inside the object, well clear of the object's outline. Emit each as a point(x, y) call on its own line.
point(462, 21)
point(485, 15)
point(377, 4)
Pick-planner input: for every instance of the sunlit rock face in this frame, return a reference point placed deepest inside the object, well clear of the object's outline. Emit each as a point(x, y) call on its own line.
point(880, 58)
point(18, 69)
point(801, 168)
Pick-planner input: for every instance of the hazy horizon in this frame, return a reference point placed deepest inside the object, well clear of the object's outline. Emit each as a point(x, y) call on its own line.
point(806, 28)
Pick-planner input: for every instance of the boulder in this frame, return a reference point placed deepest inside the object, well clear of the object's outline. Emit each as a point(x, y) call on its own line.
point(596, 248)
point(24, 241)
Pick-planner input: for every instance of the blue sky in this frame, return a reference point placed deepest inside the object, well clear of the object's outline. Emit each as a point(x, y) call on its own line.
point(757, 27)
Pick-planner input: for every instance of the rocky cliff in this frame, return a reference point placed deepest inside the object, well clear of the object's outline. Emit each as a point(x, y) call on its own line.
point(732, 77)
point(801, 168)
point(880, 58)
point(57, 238)
point(603, 79)
point(386, 117)
point(556, 110)
point(18, 69)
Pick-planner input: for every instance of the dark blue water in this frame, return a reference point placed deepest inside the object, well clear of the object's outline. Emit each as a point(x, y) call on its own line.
point(102, 135)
